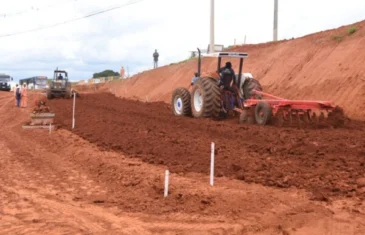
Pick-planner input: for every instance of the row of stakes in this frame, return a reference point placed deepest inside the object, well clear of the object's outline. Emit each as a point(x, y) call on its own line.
point(167, 173)
point(73, 115)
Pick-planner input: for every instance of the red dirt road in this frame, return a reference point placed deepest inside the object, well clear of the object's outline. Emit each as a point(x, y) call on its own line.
point(326, 162)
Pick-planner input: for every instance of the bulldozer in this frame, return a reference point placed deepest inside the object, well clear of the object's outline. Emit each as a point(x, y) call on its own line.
point(60, 86)
point(207, 99)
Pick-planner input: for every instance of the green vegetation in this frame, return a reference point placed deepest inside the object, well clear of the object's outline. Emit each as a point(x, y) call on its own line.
point(337, 38)
point(352, 30)
point(106, 73)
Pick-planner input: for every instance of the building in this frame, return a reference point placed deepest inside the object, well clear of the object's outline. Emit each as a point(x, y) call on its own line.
point(217, 48)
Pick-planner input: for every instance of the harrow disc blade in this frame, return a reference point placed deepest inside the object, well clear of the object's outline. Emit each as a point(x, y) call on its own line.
point(309, 119)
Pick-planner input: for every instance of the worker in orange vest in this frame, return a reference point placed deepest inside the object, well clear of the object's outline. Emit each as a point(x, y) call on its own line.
point(24, 96)
point(122, 72)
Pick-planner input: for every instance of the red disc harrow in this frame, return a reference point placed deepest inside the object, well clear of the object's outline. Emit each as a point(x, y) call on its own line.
point(270, 109)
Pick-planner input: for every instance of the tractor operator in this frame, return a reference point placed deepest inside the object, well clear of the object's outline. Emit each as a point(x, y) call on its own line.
point(227, 75)
point(60, 77)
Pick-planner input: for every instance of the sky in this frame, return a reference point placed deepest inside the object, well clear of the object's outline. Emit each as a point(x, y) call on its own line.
point(129, 35)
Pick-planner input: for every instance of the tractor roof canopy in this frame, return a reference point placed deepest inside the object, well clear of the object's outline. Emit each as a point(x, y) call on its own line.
point(60, 71)
point(228, 54)
point(240, 55)
point(57, 72)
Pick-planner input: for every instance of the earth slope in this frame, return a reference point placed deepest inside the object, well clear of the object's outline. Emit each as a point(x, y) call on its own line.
point(328, 65)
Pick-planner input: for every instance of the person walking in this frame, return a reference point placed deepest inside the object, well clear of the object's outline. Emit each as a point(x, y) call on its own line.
point(24, 96)
point(18, 95)
point(155, 59)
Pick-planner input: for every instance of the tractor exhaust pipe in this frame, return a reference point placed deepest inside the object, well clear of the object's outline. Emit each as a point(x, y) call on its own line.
point(199, 62)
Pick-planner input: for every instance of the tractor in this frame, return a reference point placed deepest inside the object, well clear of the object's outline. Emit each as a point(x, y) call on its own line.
point(60, 86)
point(206, 98)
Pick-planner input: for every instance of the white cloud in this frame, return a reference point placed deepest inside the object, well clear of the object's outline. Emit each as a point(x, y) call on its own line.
point(128, 36)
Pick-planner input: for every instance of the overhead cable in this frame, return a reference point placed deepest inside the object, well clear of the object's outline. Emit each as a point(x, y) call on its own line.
point(71, 20)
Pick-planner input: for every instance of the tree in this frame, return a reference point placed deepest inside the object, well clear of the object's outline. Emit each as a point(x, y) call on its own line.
point(106, 73)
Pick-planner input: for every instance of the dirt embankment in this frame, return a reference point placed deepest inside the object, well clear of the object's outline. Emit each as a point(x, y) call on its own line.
point(325, 162)
point(323, 66)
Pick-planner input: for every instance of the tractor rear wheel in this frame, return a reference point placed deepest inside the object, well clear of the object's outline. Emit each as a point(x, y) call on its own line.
point(263, 113)
point(206, 98)
point(181, 102)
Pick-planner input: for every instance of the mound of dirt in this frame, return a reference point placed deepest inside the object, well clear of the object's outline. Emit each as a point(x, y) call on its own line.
point(327, 162)
point(314, 67)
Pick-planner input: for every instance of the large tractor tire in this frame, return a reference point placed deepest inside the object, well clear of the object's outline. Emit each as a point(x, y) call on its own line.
point(68, 94)
point(206, 98)
point(49, 94)
point(250, 85)
point(181, 102)
point(263, 113)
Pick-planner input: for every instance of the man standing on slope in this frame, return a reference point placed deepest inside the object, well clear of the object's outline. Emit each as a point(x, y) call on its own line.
point(155, 59)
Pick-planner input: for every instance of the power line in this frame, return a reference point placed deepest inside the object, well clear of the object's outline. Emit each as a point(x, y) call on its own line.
point(72, 20)
point(32, 8)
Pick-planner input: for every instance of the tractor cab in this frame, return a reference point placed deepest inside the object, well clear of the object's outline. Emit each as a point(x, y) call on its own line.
point(60, 76)
point(241, 79)
point(240, 56)
point(59, 86)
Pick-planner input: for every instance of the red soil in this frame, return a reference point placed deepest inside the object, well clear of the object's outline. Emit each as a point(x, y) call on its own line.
point(326, 162)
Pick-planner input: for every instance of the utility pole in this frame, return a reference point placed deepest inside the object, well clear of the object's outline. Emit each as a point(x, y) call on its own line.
point(276, 4)
point(211, 49)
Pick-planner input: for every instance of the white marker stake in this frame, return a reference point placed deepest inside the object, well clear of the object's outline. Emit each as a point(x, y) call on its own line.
point(166, 183)
point(73, 112)
point(50, 128)
point(212, 165)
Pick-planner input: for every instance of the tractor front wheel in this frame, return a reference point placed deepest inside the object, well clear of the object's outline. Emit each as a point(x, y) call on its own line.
point(49, 94)
point(181, 102)
point(263, 113)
